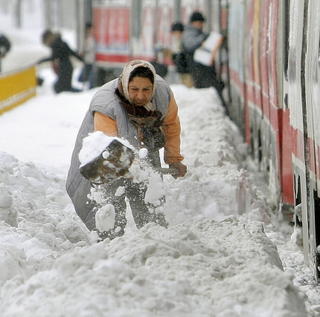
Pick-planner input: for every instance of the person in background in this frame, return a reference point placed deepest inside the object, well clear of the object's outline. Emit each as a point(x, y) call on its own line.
point(159, 61)
point(88, 54)
point(203, 76)
point(139, 106)
point(5, 47)
point(178, 56)
point(60, 58)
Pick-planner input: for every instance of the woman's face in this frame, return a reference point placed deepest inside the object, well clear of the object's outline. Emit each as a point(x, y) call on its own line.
point(140, 90)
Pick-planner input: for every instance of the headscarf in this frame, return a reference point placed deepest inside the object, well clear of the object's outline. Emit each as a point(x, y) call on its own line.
point(125, 75)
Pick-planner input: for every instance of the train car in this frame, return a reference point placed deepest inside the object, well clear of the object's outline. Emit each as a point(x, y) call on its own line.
point(137, 29)
point(303, 105)
point(274, 89)
point(270, 62)
point(126, 30)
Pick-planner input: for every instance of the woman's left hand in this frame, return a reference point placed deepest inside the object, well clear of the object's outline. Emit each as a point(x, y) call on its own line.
point(180, 168)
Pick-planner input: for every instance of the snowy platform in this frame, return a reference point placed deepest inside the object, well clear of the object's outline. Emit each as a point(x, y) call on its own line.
point(213, 260)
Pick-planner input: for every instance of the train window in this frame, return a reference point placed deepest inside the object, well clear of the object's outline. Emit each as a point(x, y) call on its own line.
point(136, 18)
point(298, 203)
point(319, 51)
point(286, 13)
point(317, 229)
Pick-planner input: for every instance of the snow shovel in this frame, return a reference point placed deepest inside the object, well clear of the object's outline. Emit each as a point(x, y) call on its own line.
point(167, 171)
point(114, 161)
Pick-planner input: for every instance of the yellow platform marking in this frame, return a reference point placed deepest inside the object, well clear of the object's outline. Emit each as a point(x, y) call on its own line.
point(16, 88)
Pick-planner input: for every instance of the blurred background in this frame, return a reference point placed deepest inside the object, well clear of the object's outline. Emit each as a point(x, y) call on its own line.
point(123, 29)
point(23, 22)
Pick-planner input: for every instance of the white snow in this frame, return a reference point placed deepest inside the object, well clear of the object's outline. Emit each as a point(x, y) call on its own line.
point(105, 218)
point(143, 153)
point(95, 143)
point(225, 252)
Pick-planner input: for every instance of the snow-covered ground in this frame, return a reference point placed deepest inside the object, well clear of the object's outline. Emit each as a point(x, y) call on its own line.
point(225, 253)
point(214, 260)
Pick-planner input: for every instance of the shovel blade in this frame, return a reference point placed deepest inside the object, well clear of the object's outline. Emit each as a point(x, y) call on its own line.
point(114, 161)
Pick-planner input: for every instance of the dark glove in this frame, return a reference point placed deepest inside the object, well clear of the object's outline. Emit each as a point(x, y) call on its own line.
point(180, 168)
point(3, 52)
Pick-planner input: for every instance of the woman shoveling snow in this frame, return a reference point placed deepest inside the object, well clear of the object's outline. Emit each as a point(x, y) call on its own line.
point(139, 107)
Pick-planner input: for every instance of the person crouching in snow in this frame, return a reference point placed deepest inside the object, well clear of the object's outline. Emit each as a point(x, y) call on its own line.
point(60, 58)
point(139, 107)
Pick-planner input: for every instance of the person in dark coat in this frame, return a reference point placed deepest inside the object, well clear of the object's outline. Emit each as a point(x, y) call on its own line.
point(60, 58)
point(193, 37)
point(89, 51)
point(179, 57)
point(5, 46)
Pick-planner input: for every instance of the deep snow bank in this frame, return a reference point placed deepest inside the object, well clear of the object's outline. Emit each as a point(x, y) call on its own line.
point(201, 269)
point(214, 260)
point(35, 226)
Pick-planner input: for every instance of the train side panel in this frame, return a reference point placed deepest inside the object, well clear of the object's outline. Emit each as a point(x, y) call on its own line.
point(273, 109)
point(266, 136)
point(311, 85)
point(112, 31)
point(295, 110)
point(236, 35)
point(274, 86)
point(143, 38)
point(164, 18)
point(261, 106)
point(270, 63)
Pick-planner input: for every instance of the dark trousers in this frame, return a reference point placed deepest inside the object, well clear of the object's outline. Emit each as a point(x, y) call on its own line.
point(142, 212)
point(87, 74)
point(64, 79)
point(206, 76)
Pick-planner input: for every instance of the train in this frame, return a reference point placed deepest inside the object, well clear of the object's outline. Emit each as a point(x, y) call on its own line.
point(135, 29)
point(270, 64)
point(273, 75)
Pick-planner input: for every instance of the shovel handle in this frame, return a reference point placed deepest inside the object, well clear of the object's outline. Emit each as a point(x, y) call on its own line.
point(168, 171)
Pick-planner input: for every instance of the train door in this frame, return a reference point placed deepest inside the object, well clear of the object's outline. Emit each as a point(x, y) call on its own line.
point(275, 89)
point(291, 120)
point(236, 38)
point(254, 113)
point(83, 16)
point(295, 99)
point(264, 56)
point(112, 31)
point(164, 18)
point(256, 54)
point(144, 27)
point(219, 20)
point(312, 112)
point(249, 75)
